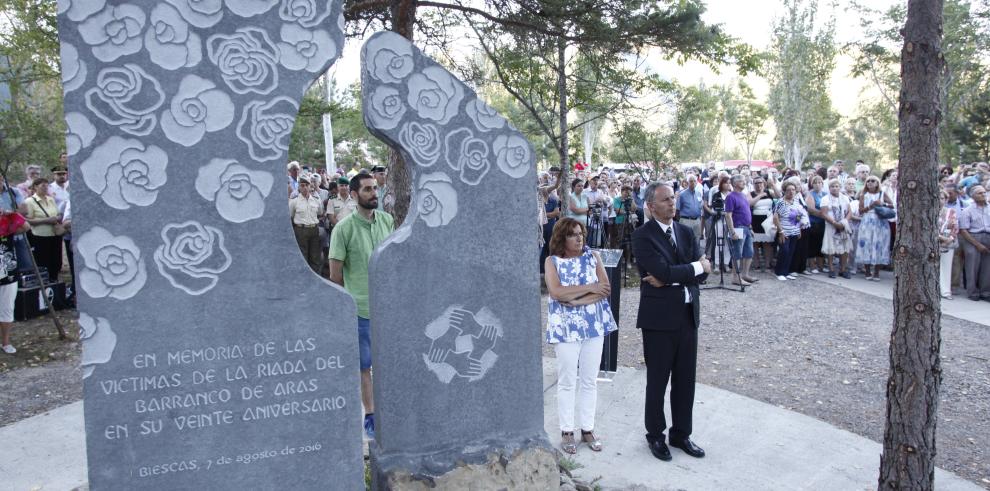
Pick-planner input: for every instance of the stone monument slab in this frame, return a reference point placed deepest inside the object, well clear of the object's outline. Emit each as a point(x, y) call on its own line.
point(455, 314)
point(213, 357)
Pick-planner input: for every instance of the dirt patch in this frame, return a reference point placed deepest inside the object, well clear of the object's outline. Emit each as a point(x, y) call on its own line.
point(44, 373)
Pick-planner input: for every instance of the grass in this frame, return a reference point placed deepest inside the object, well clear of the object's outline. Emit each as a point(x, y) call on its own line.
point(569, 464)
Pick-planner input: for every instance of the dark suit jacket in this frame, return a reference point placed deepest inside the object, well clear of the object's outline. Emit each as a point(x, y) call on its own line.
point(655, 256)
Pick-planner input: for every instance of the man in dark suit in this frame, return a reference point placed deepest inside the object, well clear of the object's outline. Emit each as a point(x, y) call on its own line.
point(672, 264)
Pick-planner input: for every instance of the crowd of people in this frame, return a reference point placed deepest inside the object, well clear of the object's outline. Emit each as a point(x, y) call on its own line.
point(820, 220)
point(817, 221)
point(35, 215)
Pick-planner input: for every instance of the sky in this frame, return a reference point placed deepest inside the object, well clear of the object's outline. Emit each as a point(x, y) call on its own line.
point(751, 22)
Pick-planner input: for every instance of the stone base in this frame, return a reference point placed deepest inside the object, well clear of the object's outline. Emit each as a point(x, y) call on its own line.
point(533, 468)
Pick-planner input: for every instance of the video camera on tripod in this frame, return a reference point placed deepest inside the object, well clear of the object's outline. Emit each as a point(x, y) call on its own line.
point(718, 204)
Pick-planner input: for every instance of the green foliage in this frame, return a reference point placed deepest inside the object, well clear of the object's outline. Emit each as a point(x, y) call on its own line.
point(32, 130)
point(31, 123)
point(696, 132)
point(856, 139)
point(800, 65)
point(601, 73)
point(966, 47)
point(633, 142)
point(972, 134)
point(352, 141)
point(745, 117)
point(29, 41)
point(306, 144)
point(569, 464)
point(689, 132)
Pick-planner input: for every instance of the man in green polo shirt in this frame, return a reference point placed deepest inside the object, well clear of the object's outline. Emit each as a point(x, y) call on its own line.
point(353, 240)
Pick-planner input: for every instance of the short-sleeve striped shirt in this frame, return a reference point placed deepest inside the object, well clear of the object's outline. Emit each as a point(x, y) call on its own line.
point(790, 217)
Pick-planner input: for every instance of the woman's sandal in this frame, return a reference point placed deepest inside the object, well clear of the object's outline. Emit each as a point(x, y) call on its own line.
point(593, 442)
point(567, 443)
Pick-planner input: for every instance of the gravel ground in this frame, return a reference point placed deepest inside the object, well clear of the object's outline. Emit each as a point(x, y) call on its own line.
point(822, 350)
point(44, 373)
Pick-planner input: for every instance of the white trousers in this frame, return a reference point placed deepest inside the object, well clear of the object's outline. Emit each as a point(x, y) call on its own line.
point(577, 381)
point(945, 272)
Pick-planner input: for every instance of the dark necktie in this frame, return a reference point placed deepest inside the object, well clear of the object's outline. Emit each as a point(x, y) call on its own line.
point(670, 238)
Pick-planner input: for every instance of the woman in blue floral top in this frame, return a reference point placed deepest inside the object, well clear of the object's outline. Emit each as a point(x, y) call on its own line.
point(579, 317)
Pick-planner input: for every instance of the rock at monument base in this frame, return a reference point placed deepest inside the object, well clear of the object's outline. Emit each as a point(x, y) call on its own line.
point(532, 468)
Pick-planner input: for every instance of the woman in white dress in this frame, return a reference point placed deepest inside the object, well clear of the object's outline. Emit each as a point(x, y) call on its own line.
point(835, 210)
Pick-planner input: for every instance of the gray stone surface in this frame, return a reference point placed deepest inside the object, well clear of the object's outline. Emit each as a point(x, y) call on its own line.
point(454, 313)
point(211, 358)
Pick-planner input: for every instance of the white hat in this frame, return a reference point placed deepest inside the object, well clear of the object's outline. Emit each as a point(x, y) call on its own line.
point(292, 164)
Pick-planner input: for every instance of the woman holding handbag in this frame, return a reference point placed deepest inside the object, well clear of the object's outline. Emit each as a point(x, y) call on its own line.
point(42, 214)
point(873, 249)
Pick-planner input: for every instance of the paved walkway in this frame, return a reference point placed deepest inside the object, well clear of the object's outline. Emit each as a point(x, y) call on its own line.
point(750, 445)
point(959, 307)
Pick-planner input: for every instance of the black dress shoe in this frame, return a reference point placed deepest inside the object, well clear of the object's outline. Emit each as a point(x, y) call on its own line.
point(659, 449)
point(688, 447)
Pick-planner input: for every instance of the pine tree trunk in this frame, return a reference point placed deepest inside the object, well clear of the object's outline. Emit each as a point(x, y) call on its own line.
point(915, 372)
point(398, 183)
point(565, 167)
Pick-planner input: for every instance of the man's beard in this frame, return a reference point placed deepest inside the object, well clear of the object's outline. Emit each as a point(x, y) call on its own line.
point(371, 204)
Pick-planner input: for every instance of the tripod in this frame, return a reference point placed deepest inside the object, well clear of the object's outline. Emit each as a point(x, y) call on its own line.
point(621, 238)
point(719, 244)
point(595, 227)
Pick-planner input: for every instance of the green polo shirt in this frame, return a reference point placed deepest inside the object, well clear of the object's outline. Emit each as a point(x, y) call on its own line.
point(353, 240)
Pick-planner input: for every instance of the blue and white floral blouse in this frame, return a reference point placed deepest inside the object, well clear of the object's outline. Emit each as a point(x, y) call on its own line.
point(567, 324)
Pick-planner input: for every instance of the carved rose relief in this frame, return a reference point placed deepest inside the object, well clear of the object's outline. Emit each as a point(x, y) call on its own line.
point(266, 127)
point(434, 94)
point(126, 97)
point(485, 117)
point(512, 153)
point(79, 132)
point(422, 140)
point(125, 173)
point(169, 42)
point(386, 108)
point(250, 8)
point(73, 69)
point(78, 10)
point(387, 60)
point(238, 192)
point(247, 59)
point(306, 13)
point(192, 256)
point(435, 199)
point(112, 265)
point(200, 13)
point(474, 160)
point(98, 342)
point(113, 32)
point(305, 50)
point(198, 107)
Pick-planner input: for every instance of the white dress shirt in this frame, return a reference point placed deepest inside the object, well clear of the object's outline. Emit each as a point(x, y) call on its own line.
point(698, 269)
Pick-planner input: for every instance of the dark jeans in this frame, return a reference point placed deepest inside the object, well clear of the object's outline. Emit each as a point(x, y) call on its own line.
point(799, 261)
point(785, 253)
